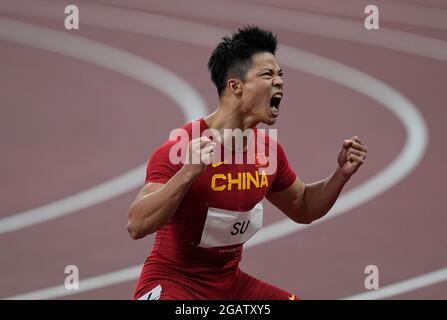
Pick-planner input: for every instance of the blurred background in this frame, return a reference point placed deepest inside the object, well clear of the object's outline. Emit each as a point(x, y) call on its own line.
point(81, 111)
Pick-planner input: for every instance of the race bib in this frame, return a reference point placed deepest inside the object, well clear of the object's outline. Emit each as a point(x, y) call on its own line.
point(226, 228)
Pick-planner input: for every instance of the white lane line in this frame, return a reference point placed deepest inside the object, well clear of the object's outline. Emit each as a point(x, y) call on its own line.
point(403, 287)
point(189, 101)
point(404, 13)
point(107, 279)
point(290, 20)
point(150, 24)
point(130, 274)
point(309, 23)
point(115, 18)
point(407, 113)
point(306, 62)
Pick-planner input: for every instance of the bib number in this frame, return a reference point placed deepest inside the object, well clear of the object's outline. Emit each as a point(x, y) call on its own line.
point(226, 228)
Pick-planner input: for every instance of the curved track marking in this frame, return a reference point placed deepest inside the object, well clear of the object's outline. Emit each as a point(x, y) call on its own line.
point(333, 71)
point(405, 13)
point(403, 286)
point(129, 274)
point(408, 158)
point(189, 101)
point(175, 29)
point(295, 21)
point(104, 280)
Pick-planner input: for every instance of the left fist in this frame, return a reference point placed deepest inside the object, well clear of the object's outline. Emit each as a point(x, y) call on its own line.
point(351, 156)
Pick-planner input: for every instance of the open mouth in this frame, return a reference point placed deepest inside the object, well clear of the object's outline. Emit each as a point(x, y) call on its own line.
point(275, 101)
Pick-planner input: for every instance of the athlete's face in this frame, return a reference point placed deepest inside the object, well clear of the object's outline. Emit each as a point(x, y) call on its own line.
point(262, 89)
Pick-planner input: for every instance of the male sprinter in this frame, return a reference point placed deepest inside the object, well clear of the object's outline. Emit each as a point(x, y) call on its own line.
point(204, 212)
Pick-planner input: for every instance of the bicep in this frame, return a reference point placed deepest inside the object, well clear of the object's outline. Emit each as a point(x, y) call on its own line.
point(289, 200)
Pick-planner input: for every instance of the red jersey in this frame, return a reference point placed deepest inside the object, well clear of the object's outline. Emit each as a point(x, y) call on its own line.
point(201, 245)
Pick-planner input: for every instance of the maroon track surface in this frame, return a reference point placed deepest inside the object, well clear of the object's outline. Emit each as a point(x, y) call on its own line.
point(67, 125)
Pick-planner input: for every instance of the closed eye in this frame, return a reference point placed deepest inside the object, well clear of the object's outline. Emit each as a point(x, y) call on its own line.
point(271, 74)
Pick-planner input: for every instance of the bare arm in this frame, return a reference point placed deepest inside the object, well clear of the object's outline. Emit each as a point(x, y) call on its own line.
point(305, 203)
point(156, 203)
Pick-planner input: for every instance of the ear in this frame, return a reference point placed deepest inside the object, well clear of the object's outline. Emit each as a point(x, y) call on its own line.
point(234, 86)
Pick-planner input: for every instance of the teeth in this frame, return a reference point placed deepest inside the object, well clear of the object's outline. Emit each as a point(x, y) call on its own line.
point(274, 109)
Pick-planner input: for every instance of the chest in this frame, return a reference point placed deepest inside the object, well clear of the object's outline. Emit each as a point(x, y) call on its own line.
point(236, 187)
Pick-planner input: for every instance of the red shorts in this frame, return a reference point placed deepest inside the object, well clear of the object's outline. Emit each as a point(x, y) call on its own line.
point(245, 287)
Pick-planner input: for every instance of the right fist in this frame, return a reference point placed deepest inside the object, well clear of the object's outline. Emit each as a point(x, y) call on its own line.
point(200, 155)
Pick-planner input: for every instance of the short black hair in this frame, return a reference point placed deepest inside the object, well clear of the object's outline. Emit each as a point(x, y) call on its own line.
point(232, 56)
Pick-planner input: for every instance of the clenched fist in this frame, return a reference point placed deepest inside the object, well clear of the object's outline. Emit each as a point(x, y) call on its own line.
point(351, 156)
point(200, 154)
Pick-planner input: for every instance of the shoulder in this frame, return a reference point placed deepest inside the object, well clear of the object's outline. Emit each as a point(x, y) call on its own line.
point(177, 138)
point(175, 135)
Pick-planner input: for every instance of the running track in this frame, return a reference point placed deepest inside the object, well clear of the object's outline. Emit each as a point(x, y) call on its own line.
point(81, 108)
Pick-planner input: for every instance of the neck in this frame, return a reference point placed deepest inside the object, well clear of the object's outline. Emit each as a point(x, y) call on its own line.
point(227, 117)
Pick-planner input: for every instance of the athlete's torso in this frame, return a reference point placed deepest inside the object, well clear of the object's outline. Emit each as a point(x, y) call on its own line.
point(219, 212)
point(226, 185)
